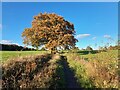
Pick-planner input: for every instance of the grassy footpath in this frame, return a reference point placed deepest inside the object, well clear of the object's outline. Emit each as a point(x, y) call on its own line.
point(14, 54)
point(99, 70)
point(95, 70)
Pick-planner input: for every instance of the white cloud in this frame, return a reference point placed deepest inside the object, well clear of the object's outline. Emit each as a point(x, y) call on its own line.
point(7, 42)
point(94, 38)
point(82, 35)
point(107, 36)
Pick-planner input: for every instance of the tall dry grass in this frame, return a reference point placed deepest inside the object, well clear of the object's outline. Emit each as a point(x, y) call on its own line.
point(96, 70)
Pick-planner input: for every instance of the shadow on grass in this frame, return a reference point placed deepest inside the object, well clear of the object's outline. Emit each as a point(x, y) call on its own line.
point(80, 52)
point(71, 81)
point(87, 52)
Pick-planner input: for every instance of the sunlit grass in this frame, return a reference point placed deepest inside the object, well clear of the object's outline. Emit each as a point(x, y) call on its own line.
point(95, 70)
point(14, 54)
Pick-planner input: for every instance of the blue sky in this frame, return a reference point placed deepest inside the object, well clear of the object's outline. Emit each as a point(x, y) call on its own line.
point(95, 23)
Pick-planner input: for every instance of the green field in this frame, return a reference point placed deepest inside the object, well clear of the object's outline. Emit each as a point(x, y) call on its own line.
point(104, 55)
point(14, 54)
point(7, 55)
point(84, 54)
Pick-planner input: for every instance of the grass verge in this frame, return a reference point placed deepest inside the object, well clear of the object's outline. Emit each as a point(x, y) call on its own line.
point(98, 71)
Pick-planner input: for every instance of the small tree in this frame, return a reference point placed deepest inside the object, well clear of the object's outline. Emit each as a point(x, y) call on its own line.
point(89, 48)
point(51, 31)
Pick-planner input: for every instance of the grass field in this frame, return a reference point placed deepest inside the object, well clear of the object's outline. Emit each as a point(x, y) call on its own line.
point(111, 54)
point(6, 55)
point(14, 54)
point(83, 54)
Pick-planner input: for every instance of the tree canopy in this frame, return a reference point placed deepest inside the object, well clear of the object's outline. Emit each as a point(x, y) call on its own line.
point(50, 30)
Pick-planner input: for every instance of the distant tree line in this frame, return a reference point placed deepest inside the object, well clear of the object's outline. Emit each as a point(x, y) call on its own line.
point(104, 48)
point(14, 47)
point(116, 47)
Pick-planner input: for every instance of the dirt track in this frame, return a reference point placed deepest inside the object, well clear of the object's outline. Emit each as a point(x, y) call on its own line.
point(71, 81)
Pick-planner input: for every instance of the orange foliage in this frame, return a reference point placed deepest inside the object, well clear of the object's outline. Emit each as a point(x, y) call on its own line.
point(50, 30)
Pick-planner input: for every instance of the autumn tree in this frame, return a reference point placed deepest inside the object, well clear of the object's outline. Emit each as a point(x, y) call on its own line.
point(50, 30)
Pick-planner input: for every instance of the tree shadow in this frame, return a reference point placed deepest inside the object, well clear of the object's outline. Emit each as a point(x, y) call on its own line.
point(87, 52)
point(71, 81)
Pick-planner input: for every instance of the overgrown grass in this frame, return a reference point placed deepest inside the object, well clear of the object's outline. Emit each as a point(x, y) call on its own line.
point(15, 54)
point(40, 71)
point(95, 70)
point(79, 70)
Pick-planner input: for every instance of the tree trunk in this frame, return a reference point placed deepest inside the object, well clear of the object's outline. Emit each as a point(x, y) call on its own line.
point(53, 51)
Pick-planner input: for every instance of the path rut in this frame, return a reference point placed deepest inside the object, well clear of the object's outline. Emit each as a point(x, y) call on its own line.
point(71, 81)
